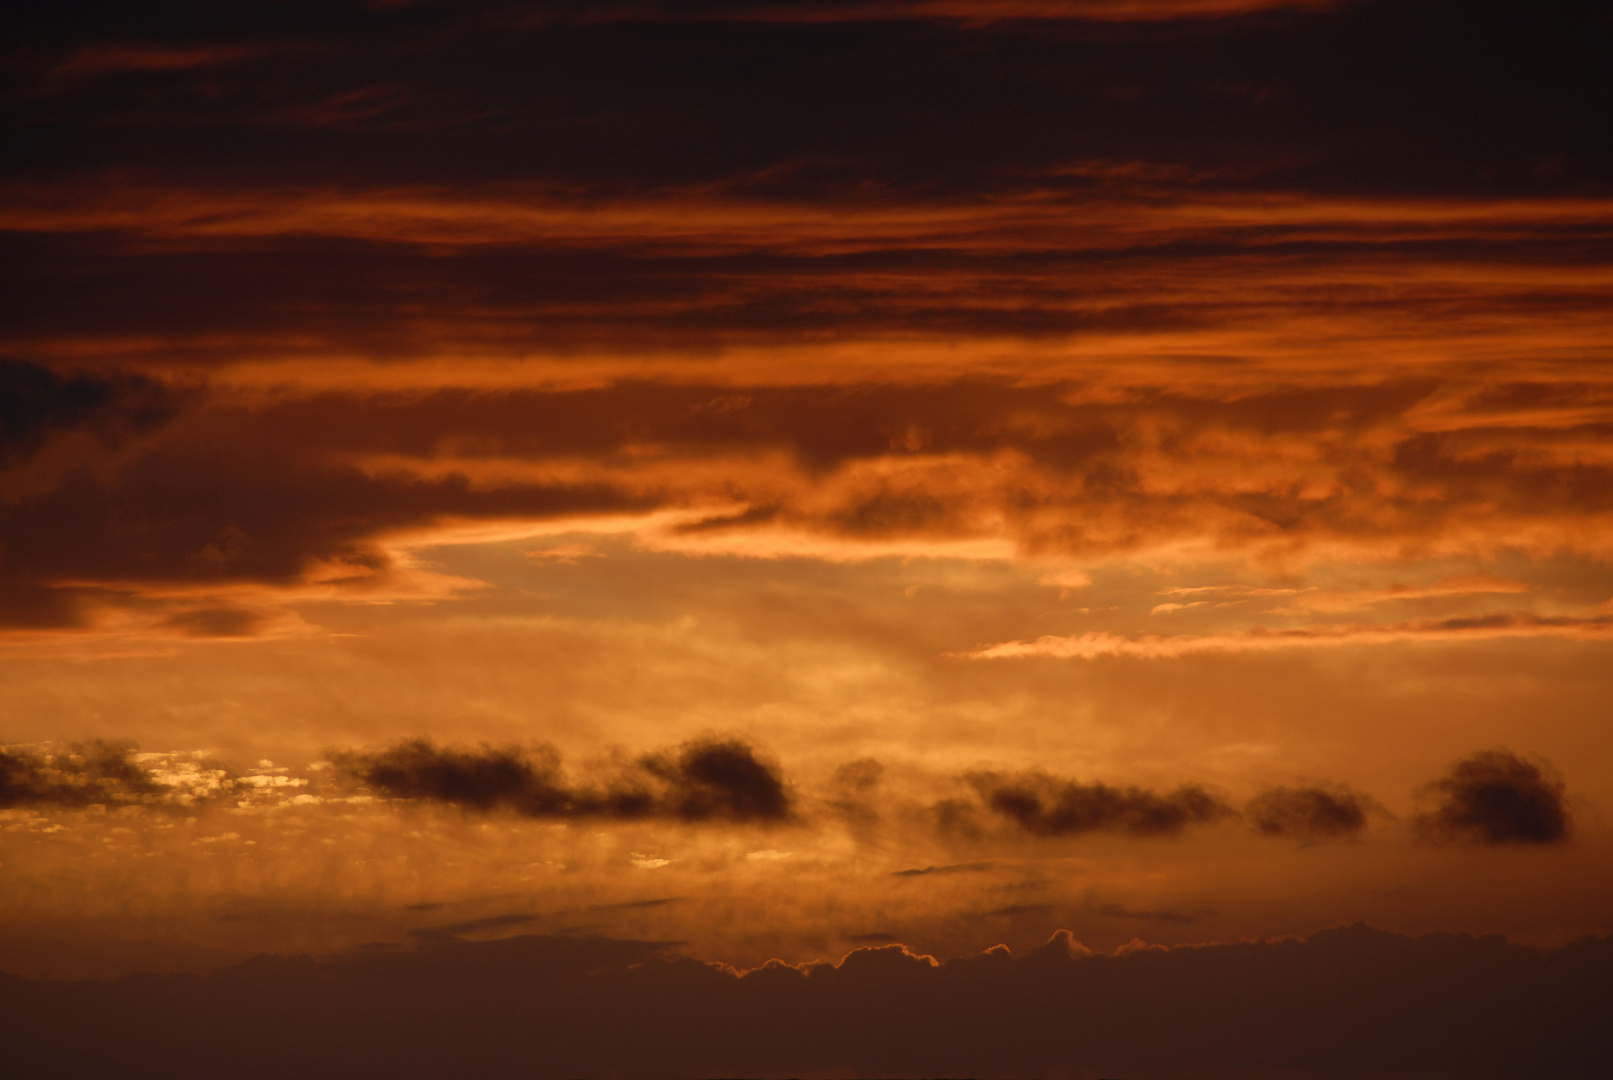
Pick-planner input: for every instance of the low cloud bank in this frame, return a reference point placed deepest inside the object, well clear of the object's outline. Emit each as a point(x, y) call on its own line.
point(704, 780)
point(1347, 1002)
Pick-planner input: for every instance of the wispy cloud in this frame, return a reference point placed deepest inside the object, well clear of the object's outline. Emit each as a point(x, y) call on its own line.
point(1147, 646)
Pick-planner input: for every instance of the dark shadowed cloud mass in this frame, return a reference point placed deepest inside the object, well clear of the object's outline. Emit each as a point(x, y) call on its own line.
point(36, 402)
point(84, 774)
point(1048, 806)
point(707, 780)
point(1309, 813)
point(1496, 797)
point(1353, 1001)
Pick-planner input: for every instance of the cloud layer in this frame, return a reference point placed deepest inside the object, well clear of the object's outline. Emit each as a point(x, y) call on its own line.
point(1357, 999)
point(1492, 796)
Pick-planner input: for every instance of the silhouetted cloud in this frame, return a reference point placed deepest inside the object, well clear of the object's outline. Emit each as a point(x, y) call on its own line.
point(1495, 797)
point(720, 779)
point(88, 773)
point(704, 780)
point(1309, 813)
point(1048, 806)
point(36, 401)
point(1353, 1001)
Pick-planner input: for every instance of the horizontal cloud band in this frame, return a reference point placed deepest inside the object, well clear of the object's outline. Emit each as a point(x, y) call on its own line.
point(712, 779)
point(1492, 796)
point(1373, 1003)
point(1148, 646)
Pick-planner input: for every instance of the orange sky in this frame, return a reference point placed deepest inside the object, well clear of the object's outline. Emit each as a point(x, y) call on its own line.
point(1099, 468)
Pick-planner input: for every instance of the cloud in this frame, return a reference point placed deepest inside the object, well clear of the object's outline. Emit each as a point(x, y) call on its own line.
point(1167, 608)
point(1015, 911)
point(210, 622)
point(93, 61)
point(1309, 813)
point(1043, 805)
point(302, 491)
point(1495, 797)
point(967, 12)
point(1120, 911)
point(36, 402)
point(637, 905)
point(954, 868)
point(1276, 89)
point(704, 780)
point(1148, 646)
point(720, 779)
point(90, 773)
point(474, 926)
point(1373, 1003)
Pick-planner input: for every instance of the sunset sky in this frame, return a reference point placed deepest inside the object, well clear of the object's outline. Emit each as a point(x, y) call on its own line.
point(724, 481)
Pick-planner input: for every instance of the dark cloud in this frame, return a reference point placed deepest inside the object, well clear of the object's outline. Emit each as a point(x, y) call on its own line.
point(89, 773)
point(1043, 805)
point(955, 868)
point(1348, 1002)
point(215, 501)
point(1395, 95)
point(527, 781)
point(1496, 797)
point(704, 780)
point(1309, 813)
point(391, 298)
point(36, 402)
point(720, 779)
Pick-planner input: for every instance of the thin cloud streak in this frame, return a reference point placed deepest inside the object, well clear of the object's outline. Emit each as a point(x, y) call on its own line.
point(1474, 628)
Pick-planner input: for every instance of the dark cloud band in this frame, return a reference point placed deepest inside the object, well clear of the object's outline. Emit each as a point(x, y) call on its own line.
point(706, 780)
point(1355, 1001)
point(1046, 806)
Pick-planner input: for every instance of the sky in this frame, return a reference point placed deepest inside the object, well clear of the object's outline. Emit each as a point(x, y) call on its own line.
point(808, 538)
